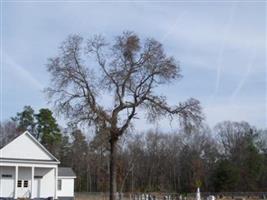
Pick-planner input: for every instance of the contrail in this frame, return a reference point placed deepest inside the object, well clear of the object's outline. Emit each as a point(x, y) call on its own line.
point(173, 27)
point(221, 52)
point(246, 75)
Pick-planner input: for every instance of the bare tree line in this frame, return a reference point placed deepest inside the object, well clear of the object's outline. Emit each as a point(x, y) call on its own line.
point(230, 157)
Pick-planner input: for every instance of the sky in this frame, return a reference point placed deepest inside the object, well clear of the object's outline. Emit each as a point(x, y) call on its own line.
point(221, 47)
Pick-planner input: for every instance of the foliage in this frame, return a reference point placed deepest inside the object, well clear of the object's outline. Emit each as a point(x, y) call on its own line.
point(25, 120)
point(242, 157)
point(48, 130)
point(43, 126)
point(79, 152)
point(226, 176)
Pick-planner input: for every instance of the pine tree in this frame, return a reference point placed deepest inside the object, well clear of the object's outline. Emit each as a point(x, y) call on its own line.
point(25, 120)
point(48, 130)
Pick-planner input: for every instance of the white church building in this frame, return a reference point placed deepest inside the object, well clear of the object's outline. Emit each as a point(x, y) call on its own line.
point(29, 170)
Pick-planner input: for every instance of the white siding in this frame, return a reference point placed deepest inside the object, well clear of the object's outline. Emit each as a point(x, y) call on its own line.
point(24, 147)
point(67, 187)
point(7, 184)
point(47, 184)
point(43, 188)
point(24, 173)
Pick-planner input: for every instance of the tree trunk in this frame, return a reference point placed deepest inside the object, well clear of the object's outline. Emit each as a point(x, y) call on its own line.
point(113, 170)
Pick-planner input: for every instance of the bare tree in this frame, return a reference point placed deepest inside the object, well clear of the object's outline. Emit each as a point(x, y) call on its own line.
point(129, 71)
point(8, 130)
point(231, 135)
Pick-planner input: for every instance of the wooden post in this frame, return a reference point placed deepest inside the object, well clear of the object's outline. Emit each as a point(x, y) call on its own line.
point(55, 195)
point(32, 183)
point(16, 182)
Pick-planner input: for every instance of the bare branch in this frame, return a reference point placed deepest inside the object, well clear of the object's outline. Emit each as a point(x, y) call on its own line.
point(130, 71)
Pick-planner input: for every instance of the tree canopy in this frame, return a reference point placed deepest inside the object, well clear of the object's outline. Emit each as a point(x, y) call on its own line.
point(127, 71)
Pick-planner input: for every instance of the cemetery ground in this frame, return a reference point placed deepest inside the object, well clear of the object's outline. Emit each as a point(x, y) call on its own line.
point(174, 196)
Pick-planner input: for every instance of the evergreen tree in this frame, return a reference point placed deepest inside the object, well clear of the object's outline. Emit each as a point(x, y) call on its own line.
point(65, 151)
point(243, 163)
point(25, 120)
point(48, 130)
point(79, 158)
point(226, 176)
point(252, 163)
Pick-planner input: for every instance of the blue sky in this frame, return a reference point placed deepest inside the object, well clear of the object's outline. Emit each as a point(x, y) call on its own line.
point(221, 47)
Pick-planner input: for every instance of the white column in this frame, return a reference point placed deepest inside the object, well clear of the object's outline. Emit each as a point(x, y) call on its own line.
point(32, 183)
point(55, 170)
point(16, 181)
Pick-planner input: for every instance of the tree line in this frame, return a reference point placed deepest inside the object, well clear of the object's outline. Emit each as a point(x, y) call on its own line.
point(232, 156)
